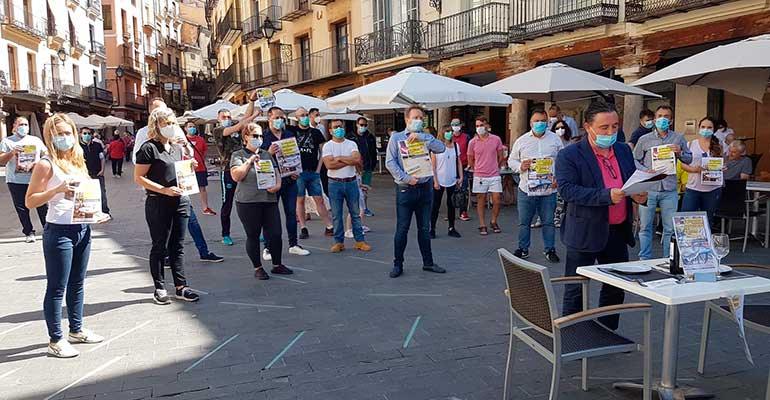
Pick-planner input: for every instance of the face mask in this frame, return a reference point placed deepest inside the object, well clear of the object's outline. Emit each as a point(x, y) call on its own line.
point(362, 129)
point(304, 121)
point(86, 137)
point(226, 123)
point(456, 128)
point(649, 124)
point(662, 124)
point(63, 142)
point(167, 131)
point(448, 135)
point(415, 125)
point(22, 130)
point(339, 132)
point(481, 130)
point(278, 124)
point(193, 131)
point(317, 120)
point(706, 133)
point(605, 141)
point(256, 142)
point(539, 127)
point(560, 131)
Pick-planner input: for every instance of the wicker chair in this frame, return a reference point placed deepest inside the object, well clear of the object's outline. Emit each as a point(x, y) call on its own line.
point(755, 316)
point(573, 337)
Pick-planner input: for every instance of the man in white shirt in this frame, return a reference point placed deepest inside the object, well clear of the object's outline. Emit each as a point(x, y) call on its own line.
point(533, 156)
point(341, 157)
point(555, 114)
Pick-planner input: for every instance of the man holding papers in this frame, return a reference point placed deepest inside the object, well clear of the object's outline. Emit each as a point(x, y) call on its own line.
point(598, 218)
point(659, 150)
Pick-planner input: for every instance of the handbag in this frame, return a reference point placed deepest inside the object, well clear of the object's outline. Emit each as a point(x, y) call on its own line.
point(459, 197)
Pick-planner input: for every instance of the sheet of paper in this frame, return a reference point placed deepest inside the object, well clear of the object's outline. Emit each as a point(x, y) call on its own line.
point(86, 202)
point(540, 176)
point(642, 181)
point(736, 307)
point(26, 159)
point(185, 177)
point(664, 159)
point(415, 158)
point(693, 235)
point(712, 174)
point(265, 98)
point(265, 174)
point(288, 157)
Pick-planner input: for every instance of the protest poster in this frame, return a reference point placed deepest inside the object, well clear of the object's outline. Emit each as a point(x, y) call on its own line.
point(664, 159)
point(86, 202)
point(540, 176)
point(265, 174)
point(185, 177)
point(693, 235)
point(415, 158)
point(288, 157)
point(711, 173)
point(27, 158)
point(265, 98)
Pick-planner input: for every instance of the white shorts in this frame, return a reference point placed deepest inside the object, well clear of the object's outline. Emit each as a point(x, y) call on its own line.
point(487, 185)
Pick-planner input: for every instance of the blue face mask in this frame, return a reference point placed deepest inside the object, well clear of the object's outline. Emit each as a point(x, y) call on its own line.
point(361, 129)
point(256, 142)
point(606, 141)
point(338, 132)
point(86, 137)
point(649, 124)
point(192, 130)
point(707, 133)
point(226, 123)
point(63, 142)
point(539, 127)
point(662, 124)
point(22, 130)
point(304, 121)
point(278, 124)
point(415, 125)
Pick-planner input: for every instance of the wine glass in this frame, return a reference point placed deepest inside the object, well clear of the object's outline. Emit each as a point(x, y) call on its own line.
point(721, 245)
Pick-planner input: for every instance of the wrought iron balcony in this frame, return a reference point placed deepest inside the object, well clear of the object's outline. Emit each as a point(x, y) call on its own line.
point(295, 9)
point(56, 35)
point(164, 69)
point(94, 8)
point(128, 61)
point(252, 29)
point(229, 27)
point(134, 100)
point(480, 28)
point(57, 88)
point(73, 4)
point(97, 52)
point(536, 18)
point(25, 22)
point(641, 10)
point(267, 73)
point(319, 65)
point(99, 94)
point(228, 79)
point(395, 41)
point(77, 48)
point(322, 2)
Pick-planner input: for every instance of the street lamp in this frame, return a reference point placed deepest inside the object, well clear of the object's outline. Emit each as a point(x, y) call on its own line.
point(62, 54)
point(213, 59)
point(268, 28)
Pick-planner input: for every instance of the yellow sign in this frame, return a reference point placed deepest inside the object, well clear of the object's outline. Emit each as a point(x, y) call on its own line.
point(264, 166)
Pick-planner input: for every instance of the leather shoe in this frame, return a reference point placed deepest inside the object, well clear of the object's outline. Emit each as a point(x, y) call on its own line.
point(434, 268)
point(396, 271)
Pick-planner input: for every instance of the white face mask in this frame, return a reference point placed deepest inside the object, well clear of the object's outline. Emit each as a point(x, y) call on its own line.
point(481, 130)
point(559, 131)
point(456, 128)
point(168, 131)
point(317, 120)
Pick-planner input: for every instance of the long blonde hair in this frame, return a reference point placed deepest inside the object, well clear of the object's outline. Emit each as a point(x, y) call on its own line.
point(160, 114)
point(71, 161)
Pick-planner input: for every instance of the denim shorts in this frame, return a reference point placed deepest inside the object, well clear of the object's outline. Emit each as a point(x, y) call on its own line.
point(310, 182)
point(203, 178)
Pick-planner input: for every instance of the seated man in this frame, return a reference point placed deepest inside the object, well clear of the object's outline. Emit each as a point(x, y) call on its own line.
point(737, 165)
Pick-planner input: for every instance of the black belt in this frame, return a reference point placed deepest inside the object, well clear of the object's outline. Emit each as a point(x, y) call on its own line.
point(351, 179)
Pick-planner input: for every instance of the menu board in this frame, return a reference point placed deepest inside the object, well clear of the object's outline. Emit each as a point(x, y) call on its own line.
point(26, 159)
point(415, 158)
point(185, 177)
point(265, 98)
point(288, 157)
point(664, 159)
point(711, 173)
point(265, 174)
point(693, 235)
point(540, 177)
point(86, 202)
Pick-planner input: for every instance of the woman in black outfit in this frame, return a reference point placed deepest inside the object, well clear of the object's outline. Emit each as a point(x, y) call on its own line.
point(257, 208)
point(165, 209)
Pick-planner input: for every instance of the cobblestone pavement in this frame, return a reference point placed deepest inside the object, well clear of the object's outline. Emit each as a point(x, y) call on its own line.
point(339, 328)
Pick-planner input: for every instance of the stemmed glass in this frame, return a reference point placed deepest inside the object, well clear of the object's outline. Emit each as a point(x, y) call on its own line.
point(721, 245)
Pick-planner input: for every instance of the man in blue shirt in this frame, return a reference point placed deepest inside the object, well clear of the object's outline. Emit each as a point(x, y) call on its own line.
point(413, 195)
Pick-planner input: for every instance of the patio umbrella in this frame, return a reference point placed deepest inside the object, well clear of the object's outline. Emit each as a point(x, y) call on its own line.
point(85, 122)
point(290, 101)
point(418, 86)
point(209, 112)
point(343, 117)
point(188, 116)
point(559, 82)
point(741, 68)
point(115, 122)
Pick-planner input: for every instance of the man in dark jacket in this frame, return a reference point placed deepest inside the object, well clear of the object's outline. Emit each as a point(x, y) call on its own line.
point(367, 147)
point(93, 152)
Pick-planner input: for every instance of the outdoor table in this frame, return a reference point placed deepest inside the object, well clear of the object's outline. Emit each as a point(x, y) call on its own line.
point(672, 296)
point(758, 188)
point(380, 159)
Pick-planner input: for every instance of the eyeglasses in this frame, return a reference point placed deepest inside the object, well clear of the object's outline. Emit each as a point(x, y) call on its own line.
point(609, 167)
point(364, 125)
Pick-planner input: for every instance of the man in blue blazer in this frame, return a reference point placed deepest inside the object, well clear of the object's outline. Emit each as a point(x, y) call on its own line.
point(597, 225)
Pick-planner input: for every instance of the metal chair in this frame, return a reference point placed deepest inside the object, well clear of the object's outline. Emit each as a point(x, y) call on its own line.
point(735, 205)
point(560, 339)
point(755, 316)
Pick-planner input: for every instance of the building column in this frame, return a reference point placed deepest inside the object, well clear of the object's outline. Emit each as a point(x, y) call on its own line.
point(518, 120)
point(632, 105)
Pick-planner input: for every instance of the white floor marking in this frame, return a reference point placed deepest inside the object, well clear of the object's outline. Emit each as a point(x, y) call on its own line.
point(300, 269)
point(198, 291)
point(369, 260)
point(233, 303)
point(9, 373)
point(15, 328)
point(212, 352)
point(106, 342)
point(404, 295)
point(289, 279)
point(86, 376)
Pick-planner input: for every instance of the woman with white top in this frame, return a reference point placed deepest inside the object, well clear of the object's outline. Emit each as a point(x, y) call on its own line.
point(446, 177)
point(699, 196)
point(66, 246)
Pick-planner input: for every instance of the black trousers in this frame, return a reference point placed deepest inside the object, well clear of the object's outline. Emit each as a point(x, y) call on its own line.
point(437, 195)
point(117, 166)
point(167, 219)
point(228, 194)
point(324, 180)
point(615, 251)
point(18, 192)
point(265, 218)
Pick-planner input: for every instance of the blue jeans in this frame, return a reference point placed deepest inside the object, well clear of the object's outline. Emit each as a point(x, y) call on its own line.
point(416, 199)
point(544, 206)
point(197, 234)
point(66, 249)
point(667, 201)
point(340, 192)
point(288, 197)
point(702, 201)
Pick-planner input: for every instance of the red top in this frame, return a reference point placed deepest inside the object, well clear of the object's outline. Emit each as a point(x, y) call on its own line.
point(462, 145)
point(117, 149)
point(127, 140)
point(200, 149)
point(613, 179)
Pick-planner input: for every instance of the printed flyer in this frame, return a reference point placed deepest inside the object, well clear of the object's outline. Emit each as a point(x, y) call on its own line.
point(415, 158)
point(693, 235)
point(26, 159)
point(288, 157)
point(87, 202)
point(664, 159)
point(265, 174)
point(540, 176)
point(712, 174)
point(265, 98)
point(185, 177)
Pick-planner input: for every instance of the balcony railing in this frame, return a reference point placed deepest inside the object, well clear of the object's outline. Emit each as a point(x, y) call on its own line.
point(322, 2)
point(536, 18)
point(294, 9)
point(128, 62)
point(321, 64)
point(252, 29)
point(227, 78)
point(265, 74)
point(480, 28)
point(24, 21)
point(229, 27)
point(56, 32)
point(391, 42)
point(98, 49)
point(76, 45)
point(641, 10)
point(164, 69)
point(99, 94)
point(134, 100)
point(57, 87)
point(94, 7)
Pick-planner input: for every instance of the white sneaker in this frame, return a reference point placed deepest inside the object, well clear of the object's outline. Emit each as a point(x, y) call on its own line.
point(30, 238)
point(298, 251)
point(160, 296)
point(365, 229)
point(62, 349)
point(349, 234)
point(85, 336)
point(266, 255)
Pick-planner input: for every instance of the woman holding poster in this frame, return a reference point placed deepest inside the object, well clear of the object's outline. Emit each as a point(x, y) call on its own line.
point(66, 243)
point(167, 208)
point(705, 175)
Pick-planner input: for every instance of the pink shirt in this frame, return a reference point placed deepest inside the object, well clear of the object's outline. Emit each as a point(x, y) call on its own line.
point(485, 155)
point(613, 179)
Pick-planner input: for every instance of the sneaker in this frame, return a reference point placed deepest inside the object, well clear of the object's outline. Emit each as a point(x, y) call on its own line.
point(161, 297)
point(432, 234)
point(297, 250)
point(396, 271)
point(363, 246)
point(337, 247)
point(30, 238)
point(368, 212)
point(453, 233)
point(304, 234)
point(281, 270)
point(536, 223)
point(521, 253)
point(85, 336)
point(187, 294)
point(260, 274)
point(266, 255)
point(365, 229)
point(551, 256)
point(349, 234)
point(227, 241)
point(329, 231)
point(209, 211)
point(464, 216)
point(211, 257)
point(62, 349)
point(434, 268)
